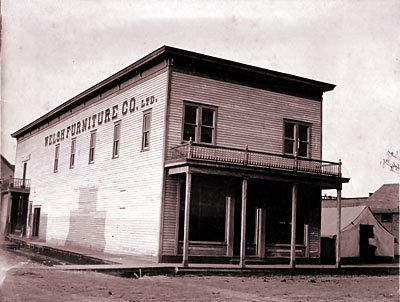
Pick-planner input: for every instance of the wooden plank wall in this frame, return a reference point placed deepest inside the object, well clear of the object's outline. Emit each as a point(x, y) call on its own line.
point(245, 116)
point(170, 217)
point(112, 204)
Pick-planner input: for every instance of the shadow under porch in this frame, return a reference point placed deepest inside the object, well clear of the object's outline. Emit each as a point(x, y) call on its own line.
point(15, 208)
point(216, 230)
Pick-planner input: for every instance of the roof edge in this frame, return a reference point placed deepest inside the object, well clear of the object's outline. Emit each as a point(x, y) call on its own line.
point(10, 165)
point(90, 91)
point(166, 51)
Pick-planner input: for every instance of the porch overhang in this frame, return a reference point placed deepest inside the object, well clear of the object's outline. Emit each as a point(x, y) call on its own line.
point(234, 162)
point(265, 173)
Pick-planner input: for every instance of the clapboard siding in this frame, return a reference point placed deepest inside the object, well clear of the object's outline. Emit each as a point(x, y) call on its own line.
point(245, 115)
point(171, 213)
point(112, 204)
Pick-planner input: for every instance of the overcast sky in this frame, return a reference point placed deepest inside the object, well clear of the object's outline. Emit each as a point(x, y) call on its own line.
point(52, 50)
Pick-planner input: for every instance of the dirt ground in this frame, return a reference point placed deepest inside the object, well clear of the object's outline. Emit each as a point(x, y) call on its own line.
point(27, 281)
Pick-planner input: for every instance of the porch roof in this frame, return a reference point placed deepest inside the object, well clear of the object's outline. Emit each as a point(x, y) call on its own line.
point(266, 173)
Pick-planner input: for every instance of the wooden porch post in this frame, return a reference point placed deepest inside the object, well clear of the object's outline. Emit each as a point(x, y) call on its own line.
point(262, 221)
point(230, 224)
point(293, 236)
point(243, 224)
point(339, 222)
point(185, 258)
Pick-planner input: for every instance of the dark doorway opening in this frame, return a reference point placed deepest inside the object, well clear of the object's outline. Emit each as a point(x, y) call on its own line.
point(328, 250)
point(367, 251)
point(36, 222)
point(19, 211)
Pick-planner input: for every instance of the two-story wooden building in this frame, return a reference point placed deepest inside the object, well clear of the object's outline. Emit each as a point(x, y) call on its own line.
point(182, 154)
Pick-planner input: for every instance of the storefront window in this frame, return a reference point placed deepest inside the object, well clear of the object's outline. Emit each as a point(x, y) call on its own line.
point(279, 217)
point(207, 213)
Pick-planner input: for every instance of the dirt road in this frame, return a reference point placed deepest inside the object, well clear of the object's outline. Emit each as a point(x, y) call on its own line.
point(27, 281)
point(27, 284)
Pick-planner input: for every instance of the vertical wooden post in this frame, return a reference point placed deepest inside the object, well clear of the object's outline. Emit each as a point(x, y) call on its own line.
point(185, 258)
point(243, 224)
point(189, 155)
point(306, 240)
point(293, 236)
point(339, 223)
point(261, 214)
point(230, 224)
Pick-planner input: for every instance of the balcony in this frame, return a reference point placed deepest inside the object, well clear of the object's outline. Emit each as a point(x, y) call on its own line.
point(251, 159)
point(15, 185)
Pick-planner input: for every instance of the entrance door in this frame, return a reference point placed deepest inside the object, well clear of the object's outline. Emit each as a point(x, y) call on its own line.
point(255, 221)
point(36, 222)
point(367, 252)
point(19, 212)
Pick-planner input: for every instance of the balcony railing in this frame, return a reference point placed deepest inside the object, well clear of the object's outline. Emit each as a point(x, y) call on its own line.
point(17, 183)
point(246, 157)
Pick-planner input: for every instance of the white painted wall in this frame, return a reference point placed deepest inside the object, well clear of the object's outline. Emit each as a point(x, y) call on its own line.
point(112, 204)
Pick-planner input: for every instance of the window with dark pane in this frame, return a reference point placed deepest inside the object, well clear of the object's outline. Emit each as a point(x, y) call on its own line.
point(387, 217)
point(303, 140)
point(190, 123)
point(72, 156)
point(207, 125)
point(199, 124)
point(289, 138)
point(207, 214)
point(146, 130)
point(92, 146)
point(117, 134)
point(296, 138)
point(56, 155)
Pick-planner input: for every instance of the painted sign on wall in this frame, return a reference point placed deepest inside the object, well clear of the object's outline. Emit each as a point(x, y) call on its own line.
point(99, 118)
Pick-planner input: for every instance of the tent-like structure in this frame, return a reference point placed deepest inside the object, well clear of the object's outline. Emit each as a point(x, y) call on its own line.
point(362, 235)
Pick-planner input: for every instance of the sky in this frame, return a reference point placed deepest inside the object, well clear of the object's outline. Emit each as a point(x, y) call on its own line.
point(52, 50)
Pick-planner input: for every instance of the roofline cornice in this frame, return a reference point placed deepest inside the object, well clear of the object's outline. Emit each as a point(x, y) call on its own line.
point(160, 54)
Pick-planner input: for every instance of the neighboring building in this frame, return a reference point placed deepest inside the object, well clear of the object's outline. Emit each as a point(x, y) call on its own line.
point(7, 169)
point(384, 204)
point(14, 193)
point(182, 154)
point(362, 236)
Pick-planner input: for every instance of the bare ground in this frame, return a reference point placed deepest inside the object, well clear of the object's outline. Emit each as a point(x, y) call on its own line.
point(29, 284)
point(27, 281)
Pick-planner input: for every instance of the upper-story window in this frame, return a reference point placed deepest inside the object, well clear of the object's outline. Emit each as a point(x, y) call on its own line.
point(199, 123)
point(146, 130)
point(296, 138)
point(117, 134)
point(73, 152)
point(92, 146)
point(56, 157)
